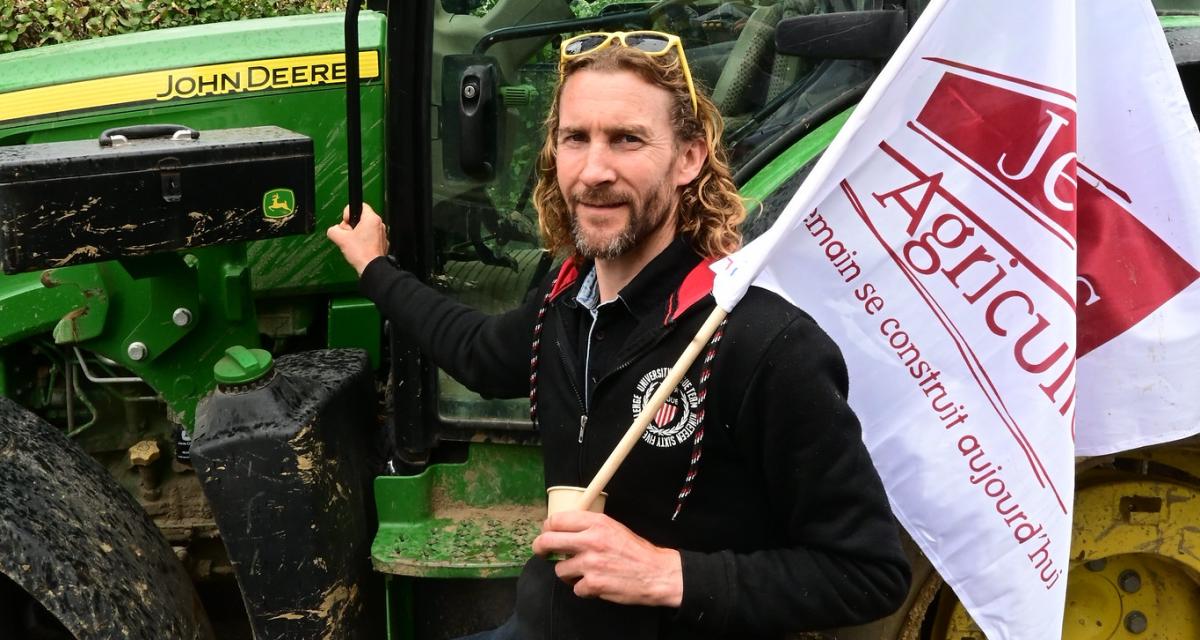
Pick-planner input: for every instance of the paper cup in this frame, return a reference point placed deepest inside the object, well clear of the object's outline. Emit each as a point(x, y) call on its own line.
point(563, 498)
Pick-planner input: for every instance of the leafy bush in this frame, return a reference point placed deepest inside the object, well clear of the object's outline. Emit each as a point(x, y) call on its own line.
point(25, 24)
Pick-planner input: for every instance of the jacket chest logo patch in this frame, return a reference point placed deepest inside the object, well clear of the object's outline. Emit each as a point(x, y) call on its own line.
point(676, 420)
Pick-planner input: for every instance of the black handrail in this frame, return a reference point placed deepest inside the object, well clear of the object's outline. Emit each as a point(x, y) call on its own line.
point(353, 115)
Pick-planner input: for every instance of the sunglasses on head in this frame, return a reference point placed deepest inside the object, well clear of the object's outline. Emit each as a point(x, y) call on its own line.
point(651, 43)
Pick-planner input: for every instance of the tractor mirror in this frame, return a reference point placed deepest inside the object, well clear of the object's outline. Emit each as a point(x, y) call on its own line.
point(856, 35)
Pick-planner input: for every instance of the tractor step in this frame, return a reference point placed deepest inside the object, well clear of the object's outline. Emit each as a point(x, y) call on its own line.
point(471, 520)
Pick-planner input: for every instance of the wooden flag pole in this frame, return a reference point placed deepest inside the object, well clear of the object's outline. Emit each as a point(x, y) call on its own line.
point(647, 413)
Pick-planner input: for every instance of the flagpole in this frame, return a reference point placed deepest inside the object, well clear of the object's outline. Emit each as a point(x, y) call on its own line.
point(648, 411)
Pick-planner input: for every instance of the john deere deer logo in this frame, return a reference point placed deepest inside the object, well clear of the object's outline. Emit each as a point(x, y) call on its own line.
point(279, 203)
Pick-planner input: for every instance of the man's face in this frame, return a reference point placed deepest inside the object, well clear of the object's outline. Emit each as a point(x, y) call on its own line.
point(618, 163)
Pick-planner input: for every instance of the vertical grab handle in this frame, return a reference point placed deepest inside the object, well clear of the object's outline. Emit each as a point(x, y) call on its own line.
point(353, 115)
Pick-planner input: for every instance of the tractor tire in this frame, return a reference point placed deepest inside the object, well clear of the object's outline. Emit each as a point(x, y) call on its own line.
point(77, 553)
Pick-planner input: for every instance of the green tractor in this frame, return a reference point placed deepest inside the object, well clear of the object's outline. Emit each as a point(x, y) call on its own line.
point(199, 415)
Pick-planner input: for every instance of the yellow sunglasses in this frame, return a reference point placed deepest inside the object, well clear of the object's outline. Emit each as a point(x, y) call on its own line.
point(651, 43)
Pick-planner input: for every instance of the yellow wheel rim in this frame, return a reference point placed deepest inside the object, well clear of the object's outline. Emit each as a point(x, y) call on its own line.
point(1135, 560)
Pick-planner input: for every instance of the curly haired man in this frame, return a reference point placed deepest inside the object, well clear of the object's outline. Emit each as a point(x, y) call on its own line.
point(750, 508)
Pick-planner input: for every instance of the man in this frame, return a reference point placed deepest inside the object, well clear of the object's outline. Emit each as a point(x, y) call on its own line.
point(750, 507)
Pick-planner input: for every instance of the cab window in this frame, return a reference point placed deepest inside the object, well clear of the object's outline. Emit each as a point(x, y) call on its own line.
point(495, 65)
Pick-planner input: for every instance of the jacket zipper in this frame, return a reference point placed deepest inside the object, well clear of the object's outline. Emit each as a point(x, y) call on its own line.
point(562, 355)
point(583, 418)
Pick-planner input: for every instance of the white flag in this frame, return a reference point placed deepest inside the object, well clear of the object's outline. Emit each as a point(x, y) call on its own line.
point(1020, 172)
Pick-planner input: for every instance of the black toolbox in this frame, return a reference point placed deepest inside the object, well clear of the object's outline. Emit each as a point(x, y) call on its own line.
point(148, 189)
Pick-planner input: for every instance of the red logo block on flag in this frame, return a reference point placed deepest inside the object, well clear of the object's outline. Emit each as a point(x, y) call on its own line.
point(990, 127)
point(1125, 271)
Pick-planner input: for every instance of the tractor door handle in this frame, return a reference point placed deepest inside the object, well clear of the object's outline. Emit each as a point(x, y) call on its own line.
point(477, 114)
point(141, 131)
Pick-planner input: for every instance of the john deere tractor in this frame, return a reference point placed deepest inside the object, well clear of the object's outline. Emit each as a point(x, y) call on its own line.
point(206, 432)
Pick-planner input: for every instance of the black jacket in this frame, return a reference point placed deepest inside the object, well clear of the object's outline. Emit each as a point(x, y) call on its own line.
point(786, 526)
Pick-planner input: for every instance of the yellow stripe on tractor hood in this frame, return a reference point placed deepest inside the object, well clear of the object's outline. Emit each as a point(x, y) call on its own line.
point(185, 82)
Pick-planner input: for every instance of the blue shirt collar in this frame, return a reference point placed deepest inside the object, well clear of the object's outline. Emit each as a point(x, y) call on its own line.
point(589, 291)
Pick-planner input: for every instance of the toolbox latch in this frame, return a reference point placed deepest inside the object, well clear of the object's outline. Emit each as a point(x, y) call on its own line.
point(172, 183)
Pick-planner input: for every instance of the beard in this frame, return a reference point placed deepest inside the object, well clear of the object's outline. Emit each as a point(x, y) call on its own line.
point(645, 218)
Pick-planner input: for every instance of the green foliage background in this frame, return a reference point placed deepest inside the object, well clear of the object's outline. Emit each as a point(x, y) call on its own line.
point(25, 24)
